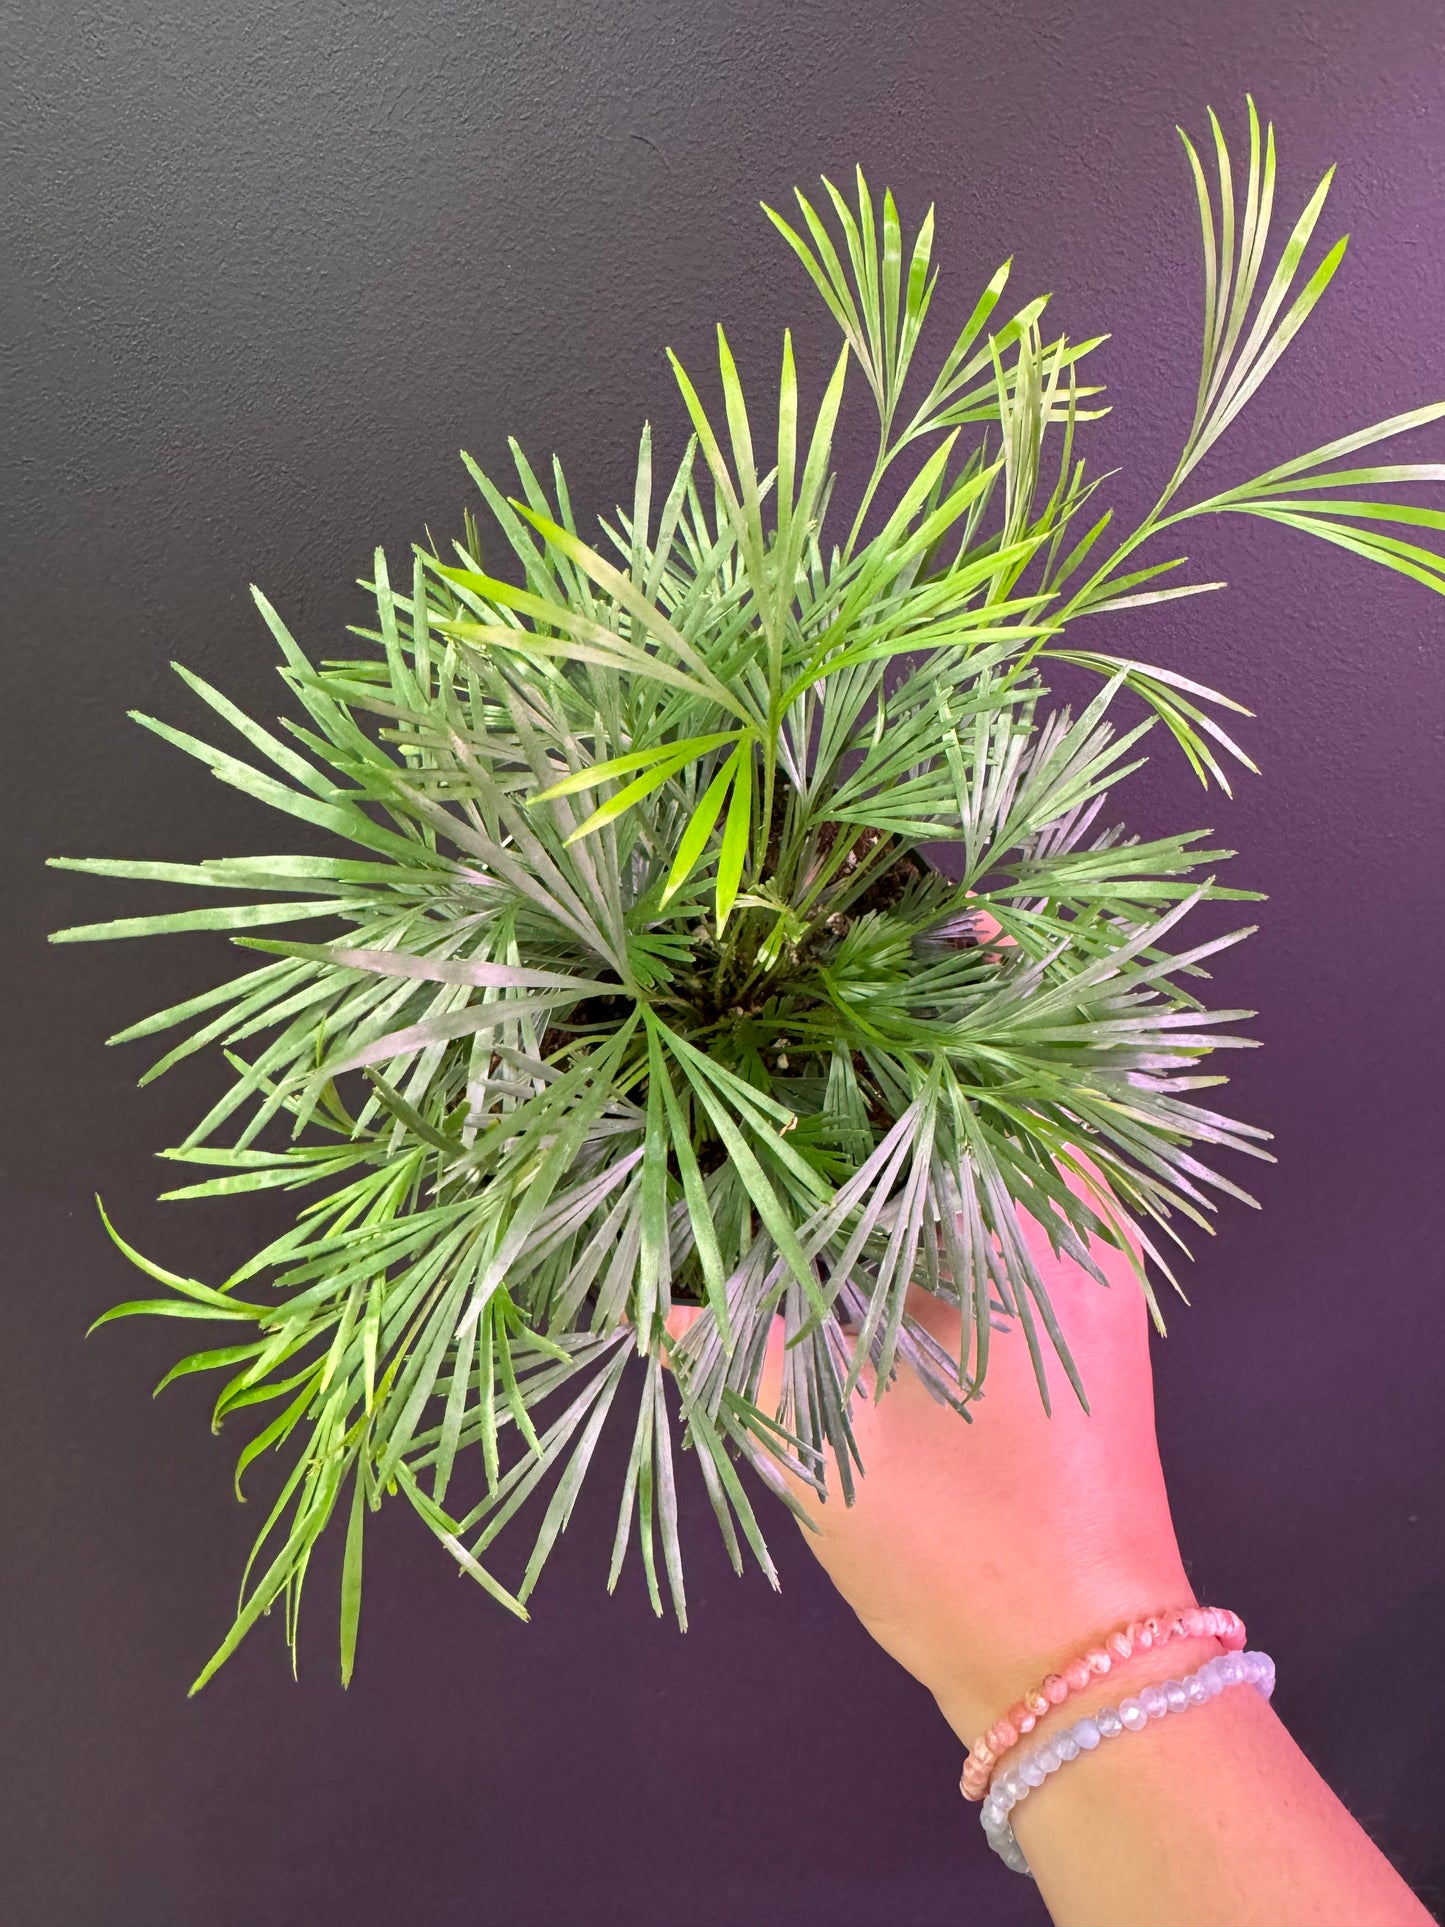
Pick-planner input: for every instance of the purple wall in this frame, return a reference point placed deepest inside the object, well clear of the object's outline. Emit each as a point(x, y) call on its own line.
point(271, 265)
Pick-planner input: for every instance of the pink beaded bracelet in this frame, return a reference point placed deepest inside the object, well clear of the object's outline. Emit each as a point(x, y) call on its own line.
point(1136, 1636)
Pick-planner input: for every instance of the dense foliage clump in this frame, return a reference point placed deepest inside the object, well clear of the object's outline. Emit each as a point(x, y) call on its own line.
point(646, 988)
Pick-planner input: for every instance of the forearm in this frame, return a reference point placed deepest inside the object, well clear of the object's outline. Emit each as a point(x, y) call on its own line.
point(1212, 1817)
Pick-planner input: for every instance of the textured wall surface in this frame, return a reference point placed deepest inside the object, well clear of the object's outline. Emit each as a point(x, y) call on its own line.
point(268, 267)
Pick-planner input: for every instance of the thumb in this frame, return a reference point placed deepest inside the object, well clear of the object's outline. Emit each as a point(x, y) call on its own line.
point(681, 1319)
point(678, 1323)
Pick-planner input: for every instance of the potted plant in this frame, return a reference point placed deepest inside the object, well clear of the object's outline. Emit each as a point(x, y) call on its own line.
point(722, 913)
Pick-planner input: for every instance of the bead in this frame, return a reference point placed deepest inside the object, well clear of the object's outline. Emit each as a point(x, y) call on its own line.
point(1235, 1667)
point(1056, 1689)
point(1153, 1702)
point(1211, 1621)
point(1002, 1735)
point(1020, 1718)
point(1037, 1702)
point(1077, 1674)
point(1195, 1622)
point(1140, 1638)
point(1098, 1661)
point(1120, 1644)
point(1178, 1627)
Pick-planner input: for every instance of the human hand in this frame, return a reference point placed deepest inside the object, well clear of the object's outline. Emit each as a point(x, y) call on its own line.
point(983, 1555)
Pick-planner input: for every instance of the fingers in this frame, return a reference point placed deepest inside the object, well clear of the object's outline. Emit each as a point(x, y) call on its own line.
point(1094, 1188)
point(678, 1323)
point(681, 1319)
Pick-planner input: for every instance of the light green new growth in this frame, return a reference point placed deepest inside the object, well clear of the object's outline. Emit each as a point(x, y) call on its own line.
point(644, 991)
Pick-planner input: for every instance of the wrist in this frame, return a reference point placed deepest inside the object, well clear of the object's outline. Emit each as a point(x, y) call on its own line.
point(1045, 1635)
point(1127, 1678)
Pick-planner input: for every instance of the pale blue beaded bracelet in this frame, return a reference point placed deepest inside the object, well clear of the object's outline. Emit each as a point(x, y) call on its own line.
point(1151, 1703)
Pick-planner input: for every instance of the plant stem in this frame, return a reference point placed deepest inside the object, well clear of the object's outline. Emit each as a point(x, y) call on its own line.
point(880, 465)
